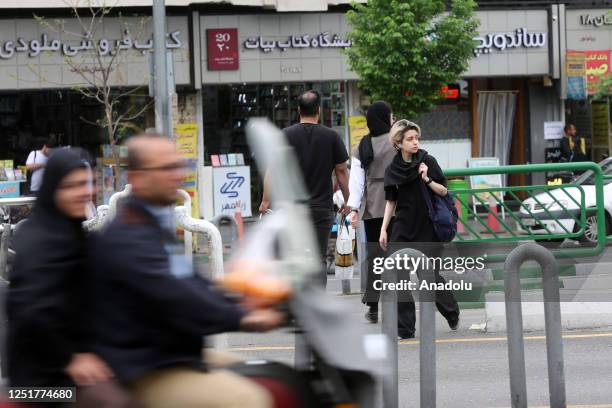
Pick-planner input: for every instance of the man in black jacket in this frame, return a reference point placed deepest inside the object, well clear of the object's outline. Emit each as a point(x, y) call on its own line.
point(573, 148)
point(152, 311)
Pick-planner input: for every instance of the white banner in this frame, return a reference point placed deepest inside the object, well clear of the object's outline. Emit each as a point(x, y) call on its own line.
point(232, 190)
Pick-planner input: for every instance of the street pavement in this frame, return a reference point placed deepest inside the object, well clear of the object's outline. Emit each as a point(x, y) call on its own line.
point(472, 366)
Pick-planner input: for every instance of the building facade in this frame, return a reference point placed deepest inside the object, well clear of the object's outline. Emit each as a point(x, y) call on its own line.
point(232, 62)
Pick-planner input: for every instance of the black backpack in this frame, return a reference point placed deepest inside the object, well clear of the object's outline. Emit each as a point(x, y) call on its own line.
point(442, 213)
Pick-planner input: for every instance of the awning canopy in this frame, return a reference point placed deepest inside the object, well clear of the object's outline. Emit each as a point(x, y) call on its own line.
point(278, 5)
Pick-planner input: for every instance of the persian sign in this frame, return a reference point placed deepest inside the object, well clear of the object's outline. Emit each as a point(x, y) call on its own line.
point(520, 38)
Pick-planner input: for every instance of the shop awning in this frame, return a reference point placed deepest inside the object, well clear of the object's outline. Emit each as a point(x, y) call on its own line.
point(278, 5)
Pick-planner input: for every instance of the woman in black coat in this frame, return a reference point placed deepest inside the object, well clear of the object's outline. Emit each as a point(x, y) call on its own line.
point(411, 174)
point(48, 343)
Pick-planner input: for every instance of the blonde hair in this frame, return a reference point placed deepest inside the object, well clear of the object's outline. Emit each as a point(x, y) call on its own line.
point(399, 128)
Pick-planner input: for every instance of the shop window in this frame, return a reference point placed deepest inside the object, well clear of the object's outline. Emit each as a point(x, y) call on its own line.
point(227, 109)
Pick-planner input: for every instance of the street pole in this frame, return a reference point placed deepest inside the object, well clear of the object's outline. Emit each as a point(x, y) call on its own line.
point(162, 99)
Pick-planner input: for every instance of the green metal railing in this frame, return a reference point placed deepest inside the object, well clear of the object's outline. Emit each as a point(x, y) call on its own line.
point(534, 220)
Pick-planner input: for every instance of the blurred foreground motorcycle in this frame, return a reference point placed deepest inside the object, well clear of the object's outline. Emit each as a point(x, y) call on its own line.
point(279, 265)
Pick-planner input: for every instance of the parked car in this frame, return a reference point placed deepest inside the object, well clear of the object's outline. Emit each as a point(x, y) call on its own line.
point(558, 209)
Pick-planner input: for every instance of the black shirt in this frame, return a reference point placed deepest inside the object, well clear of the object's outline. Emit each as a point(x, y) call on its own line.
point(319, 149)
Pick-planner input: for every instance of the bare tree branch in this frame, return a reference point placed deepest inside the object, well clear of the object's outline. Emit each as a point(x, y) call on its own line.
point(97, 124)
point(141, 111)
point(130, 92)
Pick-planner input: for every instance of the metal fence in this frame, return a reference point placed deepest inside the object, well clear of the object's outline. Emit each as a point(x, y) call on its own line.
point(546, 213)
point(516, 354)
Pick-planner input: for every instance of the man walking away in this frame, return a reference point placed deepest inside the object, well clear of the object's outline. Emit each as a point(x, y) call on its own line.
point(320, 151)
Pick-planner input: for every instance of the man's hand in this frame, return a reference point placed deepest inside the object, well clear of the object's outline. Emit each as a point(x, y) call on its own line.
point(264, 206)
point(261, 320)
point(354, 219)
point(88, 369)
point(344, 210)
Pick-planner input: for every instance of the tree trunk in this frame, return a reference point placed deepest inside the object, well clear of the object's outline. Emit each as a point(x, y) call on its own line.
point(116, 160)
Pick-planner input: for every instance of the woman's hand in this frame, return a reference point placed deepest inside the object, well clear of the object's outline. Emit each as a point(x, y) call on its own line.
point(382, 241)
point(423, 171)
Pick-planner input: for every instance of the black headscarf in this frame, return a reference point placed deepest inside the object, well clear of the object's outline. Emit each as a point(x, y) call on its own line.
point(378, 117)
point(46, 296)
point(61, 162)
point(400, 172)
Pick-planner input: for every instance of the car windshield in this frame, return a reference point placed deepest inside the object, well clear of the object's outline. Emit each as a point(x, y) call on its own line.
point(588, 177)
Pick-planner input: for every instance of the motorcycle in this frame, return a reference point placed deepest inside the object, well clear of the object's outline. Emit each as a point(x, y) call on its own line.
point(278, 266)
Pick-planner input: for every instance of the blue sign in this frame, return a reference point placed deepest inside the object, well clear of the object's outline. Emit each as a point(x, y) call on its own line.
point(576, 88)
point(233, 182)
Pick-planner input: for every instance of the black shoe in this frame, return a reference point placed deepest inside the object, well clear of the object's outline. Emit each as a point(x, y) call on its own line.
point(371, 316)
point(454, 323)
point(405, 336)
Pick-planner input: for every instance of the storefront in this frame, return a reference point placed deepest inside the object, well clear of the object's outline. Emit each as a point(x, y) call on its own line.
point(257, 65)
point(587, 59)
point(43, 68)
point(512, 86)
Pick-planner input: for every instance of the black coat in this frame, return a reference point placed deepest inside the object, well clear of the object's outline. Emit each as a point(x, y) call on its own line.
point(46, 303)
point(146, 317)
point(572, 155)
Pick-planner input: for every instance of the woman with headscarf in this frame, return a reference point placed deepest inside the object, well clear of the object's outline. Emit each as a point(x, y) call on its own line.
point(48, 344)
point(412, 174)
point(366, 188)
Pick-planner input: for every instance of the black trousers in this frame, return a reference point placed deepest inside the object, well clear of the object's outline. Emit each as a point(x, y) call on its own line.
point(322, 220)
point(406, 314)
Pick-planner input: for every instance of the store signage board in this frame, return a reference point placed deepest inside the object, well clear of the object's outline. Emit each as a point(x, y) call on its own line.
point(520, 38)
point(598, 20)
point(9, 189)
point(358, 129)
point(232, 190)
point(597, 66)
point(488, 181)
point(323, 40)
point(553, 130)
point(103, 46)
point(222, 46)
point(575, 68)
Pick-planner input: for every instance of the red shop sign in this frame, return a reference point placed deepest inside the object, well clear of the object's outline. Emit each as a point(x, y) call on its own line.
point(222, 49)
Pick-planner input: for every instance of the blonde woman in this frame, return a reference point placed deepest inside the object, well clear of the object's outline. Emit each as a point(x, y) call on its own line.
point(411, 174)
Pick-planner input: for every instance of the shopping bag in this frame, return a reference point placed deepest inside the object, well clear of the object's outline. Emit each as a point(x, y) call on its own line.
point(345, 245)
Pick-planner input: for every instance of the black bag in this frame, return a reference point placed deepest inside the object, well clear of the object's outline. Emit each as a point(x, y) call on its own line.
point(442, 213)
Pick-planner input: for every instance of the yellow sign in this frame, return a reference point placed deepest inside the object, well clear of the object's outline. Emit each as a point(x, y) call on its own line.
point(358, 128)
point(600, 124)
point(186, 137)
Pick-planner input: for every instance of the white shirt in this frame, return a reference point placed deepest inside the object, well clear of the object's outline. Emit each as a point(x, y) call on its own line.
point(356, 184)
point(36, 157)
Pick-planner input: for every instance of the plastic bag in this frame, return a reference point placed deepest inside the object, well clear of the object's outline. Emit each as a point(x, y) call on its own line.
point(345, 245)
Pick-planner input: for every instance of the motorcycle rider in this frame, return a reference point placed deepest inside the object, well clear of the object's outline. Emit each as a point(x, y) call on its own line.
point(152, 310)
